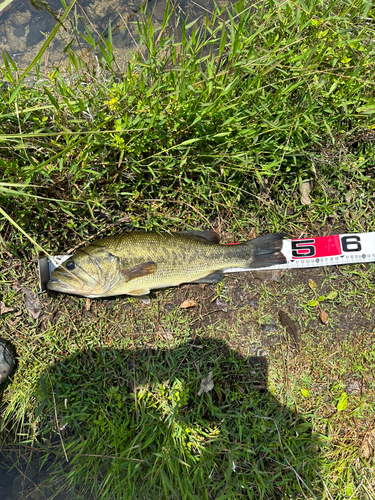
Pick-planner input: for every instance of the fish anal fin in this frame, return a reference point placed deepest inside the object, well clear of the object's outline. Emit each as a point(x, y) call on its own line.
point(214, 277)
point(206, 235)
point(140, 270)
point(139, 292)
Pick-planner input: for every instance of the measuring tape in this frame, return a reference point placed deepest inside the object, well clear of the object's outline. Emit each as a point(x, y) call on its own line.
point(328, 251)
point(323, 251)
point(299, 253)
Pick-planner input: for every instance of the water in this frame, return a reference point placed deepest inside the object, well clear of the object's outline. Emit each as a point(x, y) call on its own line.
point(24, 481)
point(24, 29)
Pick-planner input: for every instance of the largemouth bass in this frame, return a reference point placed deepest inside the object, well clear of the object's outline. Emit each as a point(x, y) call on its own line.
point(136, 262)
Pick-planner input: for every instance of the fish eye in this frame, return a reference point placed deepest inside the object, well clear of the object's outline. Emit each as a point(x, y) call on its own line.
point(70, 265)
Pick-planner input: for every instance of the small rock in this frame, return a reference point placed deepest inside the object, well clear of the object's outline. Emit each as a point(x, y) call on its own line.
point(169, 306)
point(207, 384)
point(220, 303)
point(253, 303)
point(271, 275)
point(269, 328)
point(305, 191)
point(7, 359)
point(19, 18)
point(354, 387)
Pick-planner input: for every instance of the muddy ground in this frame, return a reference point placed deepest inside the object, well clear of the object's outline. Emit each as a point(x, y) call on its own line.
point(254, 314)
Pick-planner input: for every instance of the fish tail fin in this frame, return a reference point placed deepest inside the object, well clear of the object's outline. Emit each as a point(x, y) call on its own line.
point(267, 250)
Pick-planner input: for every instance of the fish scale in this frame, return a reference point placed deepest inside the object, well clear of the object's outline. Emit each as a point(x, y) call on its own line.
point(136, 262)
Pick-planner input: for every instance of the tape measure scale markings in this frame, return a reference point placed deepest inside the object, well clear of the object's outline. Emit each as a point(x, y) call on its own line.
point(328, 250)
point(322, 251)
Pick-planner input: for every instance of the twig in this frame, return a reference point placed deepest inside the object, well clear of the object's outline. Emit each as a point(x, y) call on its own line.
point(57, 421)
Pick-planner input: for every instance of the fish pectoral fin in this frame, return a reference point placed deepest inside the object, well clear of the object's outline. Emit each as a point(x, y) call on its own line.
point(144, 269)
point(206, 235)
point(214, 277)
point(139, 291)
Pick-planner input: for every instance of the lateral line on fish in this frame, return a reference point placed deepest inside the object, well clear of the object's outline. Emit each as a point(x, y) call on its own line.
point(158, 260)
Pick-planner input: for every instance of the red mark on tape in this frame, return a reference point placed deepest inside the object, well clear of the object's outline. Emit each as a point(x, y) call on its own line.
point(322, 246)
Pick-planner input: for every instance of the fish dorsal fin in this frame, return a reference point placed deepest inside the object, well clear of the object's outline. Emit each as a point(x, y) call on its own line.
point(140, 270)
point(206, 235)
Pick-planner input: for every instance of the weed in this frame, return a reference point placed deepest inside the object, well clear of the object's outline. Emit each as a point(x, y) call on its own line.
point(213, 125)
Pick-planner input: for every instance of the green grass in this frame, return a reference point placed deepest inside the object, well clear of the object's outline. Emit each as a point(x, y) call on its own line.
point(232, 117)
point(211, 126)
point(132, 418)
point(116, 389)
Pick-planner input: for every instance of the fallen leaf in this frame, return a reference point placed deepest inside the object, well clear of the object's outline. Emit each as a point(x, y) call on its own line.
point(323, 317)
point(366, 449)
point(290, 326)
point(207, 384)
point(15, 322)
point(4, 309)
point(219, 393)
point(188, 303)
point(368, 445)
point(349, 196)
point(32, 303)
point(166, 335)
point(343, 402)
point(312, 285)
point(305, 191)
point(252, 234)
point(332, 295)
point(313, 303)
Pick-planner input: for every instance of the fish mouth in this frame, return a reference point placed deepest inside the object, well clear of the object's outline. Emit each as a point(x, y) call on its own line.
point(63, 281)
point(57, 285)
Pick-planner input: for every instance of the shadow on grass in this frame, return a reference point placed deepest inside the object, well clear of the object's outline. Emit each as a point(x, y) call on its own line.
point(132, 426)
